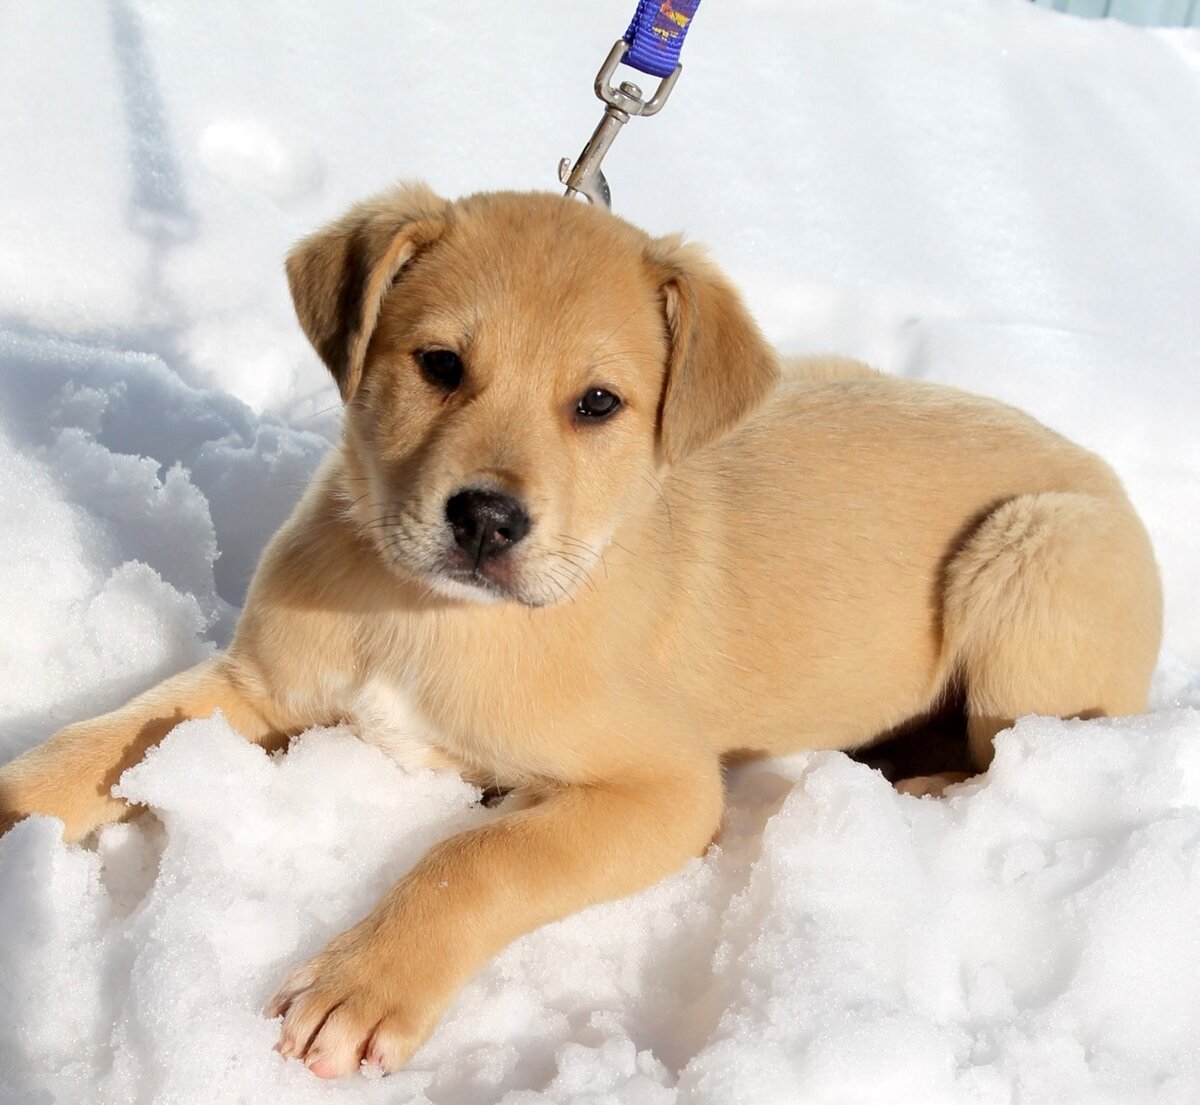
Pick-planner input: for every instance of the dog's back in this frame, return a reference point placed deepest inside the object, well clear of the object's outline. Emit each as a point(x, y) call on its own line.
point(878, 538)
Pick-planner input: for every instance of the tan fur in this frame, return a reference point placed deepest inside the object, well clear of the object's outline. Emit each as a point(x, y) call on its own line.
point(727, 566)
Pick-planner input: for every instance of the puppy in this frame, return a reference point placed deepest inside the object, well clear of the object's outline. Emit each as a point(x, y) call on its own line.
point(584, 540)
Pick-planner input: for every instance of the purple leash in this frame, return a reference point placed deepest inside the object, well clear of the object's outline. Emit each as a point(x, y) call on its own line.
point(656, 35)
point(651, 44)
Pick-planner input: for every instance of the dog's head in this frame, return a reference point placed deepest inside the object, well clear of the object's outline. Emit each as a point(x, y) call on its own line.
point(517, 371)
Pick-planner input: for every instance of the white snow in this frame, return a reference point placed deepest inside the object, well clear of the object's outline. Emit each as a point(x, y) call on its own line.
point(976, 191)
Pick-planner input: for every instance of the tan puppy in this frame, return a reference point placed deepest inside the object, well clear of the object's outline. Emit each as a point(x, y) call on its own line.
point(579, 529)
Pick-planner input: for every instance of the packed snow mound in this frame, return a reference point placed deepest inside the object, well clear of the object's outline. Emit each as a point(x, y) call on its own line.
point(1031, 938)
point(979, 192)
point(136, 508)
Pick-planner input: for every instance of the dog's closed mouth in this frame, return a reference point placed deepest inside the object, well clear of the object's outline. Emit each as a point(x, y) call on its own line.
point(479, 576)
point(493, 577)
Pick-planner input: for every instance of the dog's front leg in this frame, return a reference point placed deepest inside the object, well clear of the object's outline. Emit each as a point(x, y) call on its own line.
point(377, 991)
point(71, 776)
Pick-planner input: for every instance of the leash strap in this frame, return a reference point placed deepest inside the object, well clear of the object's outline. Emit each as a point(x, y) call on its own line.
point(656, 35)
point(651, 44)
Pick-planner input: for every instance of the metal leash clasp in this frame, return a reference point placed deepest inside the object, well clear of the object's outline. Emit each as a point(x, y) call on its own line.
point(585, 178)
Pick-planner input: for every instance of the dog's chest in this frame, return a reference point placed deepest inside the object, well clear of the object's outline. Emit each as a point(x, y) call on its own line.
point(386, 715)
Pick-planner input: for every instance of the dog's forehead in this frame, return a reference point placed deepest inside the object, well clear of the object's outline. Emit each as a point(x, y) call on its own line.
point(541, 255)
point(545, 221)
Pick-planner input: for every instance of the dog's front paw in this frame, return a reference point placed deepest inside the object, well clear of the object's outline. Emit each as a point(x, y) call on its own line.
point(355, 1002)
point(44, 781)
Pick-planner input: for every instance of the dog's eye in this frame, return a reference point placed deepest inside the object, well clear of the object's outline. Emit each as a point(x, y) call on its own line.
point(597, 403)
point(441, 367)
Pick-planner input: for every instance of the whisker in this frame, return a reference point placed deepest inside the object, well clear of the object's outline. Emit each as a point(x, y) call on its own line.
point(576, 573)
point(662, 494)
point(612, 333)
point(316, 414)
point(561, 589)
point(616, 355)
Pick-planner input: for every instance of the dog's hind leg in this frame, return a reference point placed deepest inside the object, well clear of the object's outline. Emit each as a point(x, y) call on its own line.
point(71, 776)
point(1052, 606)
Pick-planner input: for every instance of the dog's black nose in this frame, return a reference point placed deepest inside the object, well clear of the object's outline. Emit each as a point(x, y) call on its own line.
point(486, 523)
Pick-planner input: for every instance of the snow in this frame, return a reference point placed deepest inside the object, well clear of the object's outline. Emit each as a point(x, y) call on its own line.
point(976, 191)
point(840, 943)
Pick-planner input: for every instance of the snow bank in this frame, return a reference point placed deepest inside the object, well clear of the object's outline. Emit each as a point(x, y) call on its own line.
point(975, 191)
point(135, 507)
point(1032, 938)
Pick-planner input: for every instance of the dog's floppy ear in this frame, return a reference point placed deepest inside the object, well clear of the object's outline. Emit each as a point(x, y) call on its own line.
point(719, 367)
point(340, 275)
